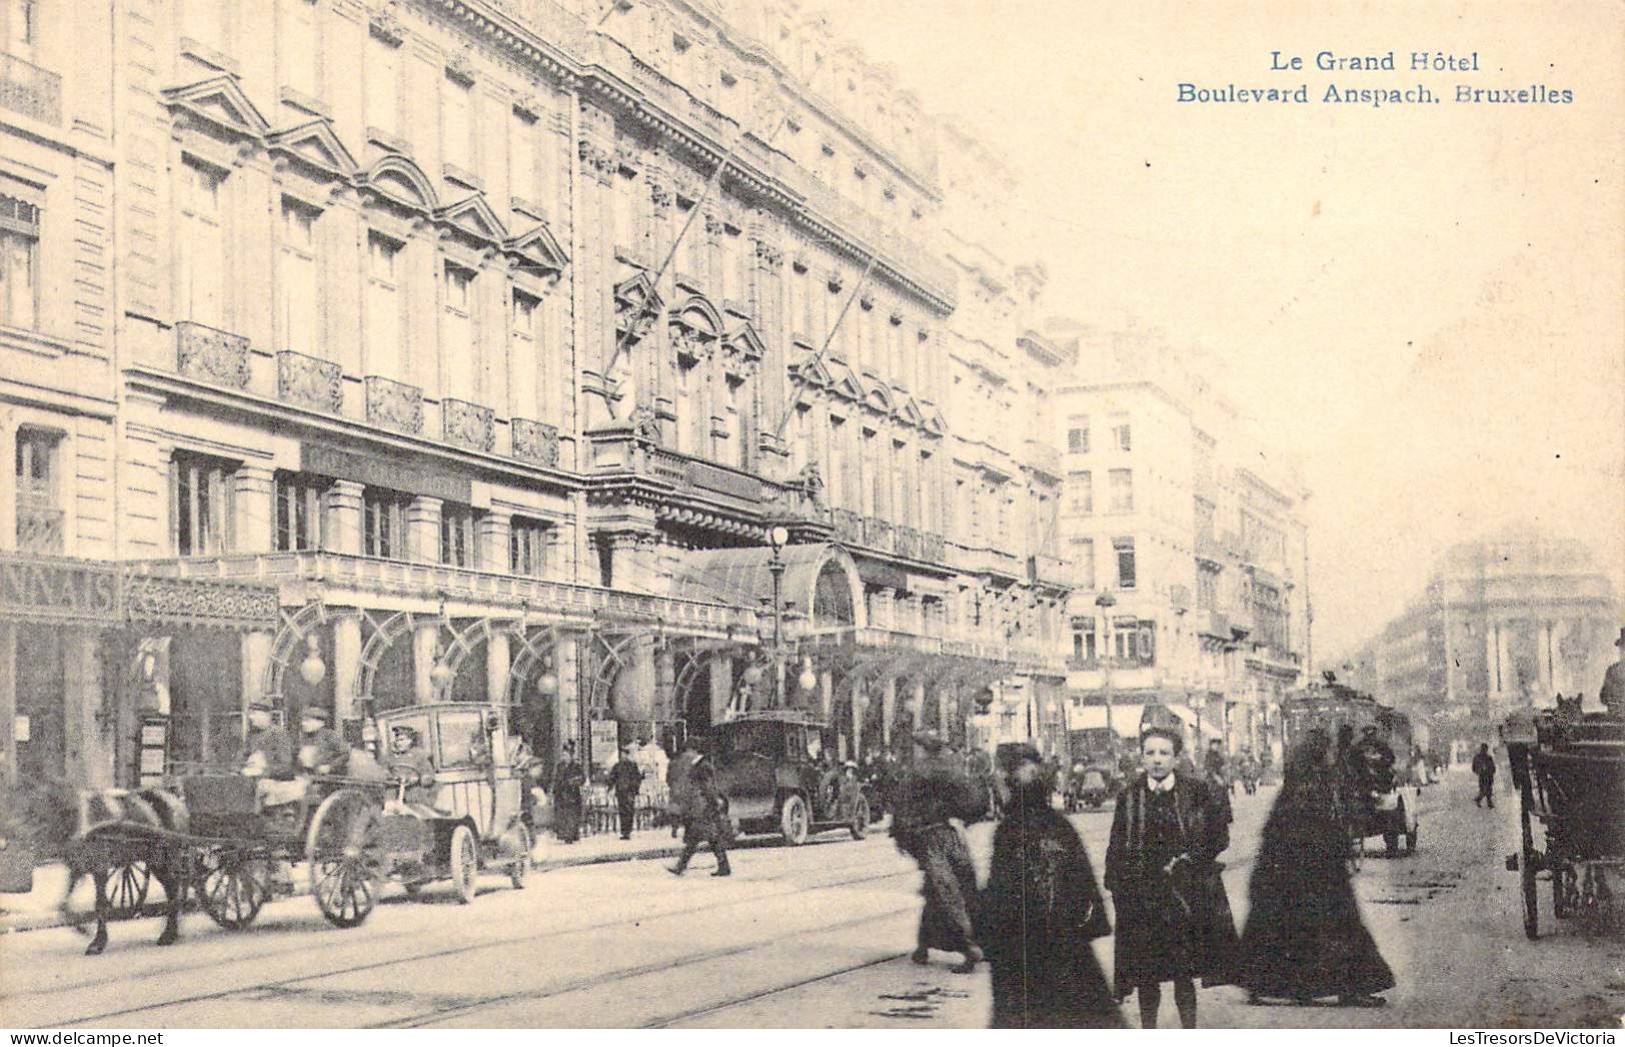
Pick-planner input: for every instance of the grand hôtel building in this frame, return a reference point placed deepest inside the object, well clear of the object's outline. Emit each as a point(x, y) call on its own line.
point(346, 360)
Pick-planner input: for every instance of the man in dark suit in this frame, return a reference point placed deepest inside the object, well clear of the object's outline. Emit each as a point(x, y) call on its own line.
point(626, 778)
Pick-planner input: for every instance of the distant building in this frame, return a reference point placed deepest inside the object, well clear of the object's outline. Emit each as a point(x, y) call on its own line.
point(1189, 550)
point(1501, 623)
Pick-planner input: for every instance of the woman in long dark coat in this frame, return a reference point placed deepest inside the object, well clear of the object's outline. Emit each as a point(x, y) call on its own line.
point(934, 791)
point(1304, 936)
point(1040, 911)
point(1173, 918)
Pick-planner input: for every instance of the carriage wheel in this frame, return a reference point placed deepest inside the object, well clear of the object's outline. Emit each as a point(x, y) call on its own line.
point(860, 819)
point(127, 885)
point(233, 887)
point(343, 850)
point(521, 864)
point(1531, 901)
point(465, 863)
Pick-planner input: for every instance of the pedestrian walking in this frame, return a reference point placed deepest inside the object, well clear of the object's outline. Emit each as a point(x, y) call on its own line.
point(677, 773)
point(626, 779)
point(931, 794)
point(1173, 918)
point(705, 819)
point(1304, 937)
point(1040, 911)
point(568, 779)
point(1484, 768)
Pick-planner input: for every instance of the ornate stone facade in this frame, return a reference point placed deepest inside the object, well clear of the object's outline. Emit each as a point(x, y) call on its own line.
point(394, 404)
point(535, 441)
point(309, 382)
point(211, 355)
point(468, 424)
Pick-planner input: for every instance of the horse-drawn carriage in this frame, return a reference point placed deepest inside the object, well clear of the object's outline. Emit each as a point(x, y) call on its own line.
point(212, 832)
point(1376, 803)
point(1569, 769)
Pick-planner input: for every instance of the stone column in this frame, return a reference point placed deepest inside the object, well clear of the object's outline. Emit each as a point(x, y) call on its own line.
point(888, 709)
point(1492, 674)
point(917, 704)
point(425, 643)
point(498, 659)
point(346, 666)
point(256, 655)
point(665, 682)
point(860, 702)
point(567, 728)
point(722, 685)
point(491, 533)
point(89, 752)
point(341, 530)
point(423, 530)
point(8, 701)
point(255, 521)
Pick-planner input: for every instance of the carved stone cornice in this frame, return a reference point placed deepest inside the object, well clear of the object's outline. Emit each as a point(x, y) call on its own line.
point(468, 424)
point(309, 382)
point(460, 67)
point(211, 355)
point(535, 441)
point(769, 256)
point(660, 195)
point(384, 24)
point(394, 404)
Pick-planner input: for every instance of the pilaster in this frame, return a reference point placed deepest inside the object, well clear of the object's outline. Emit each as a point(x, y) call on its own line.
point(341, 531)
point(255, 521)
point(491, 536)
point(346, 664)
point(423, 529)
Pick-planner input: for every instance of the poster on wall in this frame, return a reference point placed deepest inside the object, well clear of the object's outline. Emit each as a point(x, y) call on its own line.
point(605, 743)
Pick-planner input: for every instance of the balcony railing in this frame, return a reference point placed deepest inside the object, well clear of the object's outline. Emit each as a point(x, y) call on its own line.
point(27, 89)
point(877, 533)
point(39, 529)
point(848, 527)
point(933, 548)
point(908, 543)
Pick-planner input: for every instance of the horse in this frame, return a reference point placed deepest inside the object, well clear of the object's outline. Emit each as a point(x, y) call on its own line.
point(107, 834)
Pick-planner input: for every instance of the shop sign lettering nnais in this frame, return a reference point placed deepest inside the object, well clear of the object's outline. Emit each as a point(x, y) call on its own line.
point(44, 589)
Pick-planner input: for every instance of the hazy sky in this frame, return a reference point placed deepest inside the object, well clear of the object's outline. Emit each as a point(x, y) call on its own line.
point(1423, 302)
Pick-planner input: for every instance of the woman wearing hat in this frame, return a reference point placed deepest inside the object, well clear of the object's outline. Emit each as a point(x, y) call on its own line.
point(1040, 912)
point(933, 792)
point(1173, 918)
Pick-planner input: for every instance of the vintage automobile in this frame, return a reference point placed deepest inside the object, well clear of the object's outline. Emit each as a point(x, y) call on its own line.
point(773, 767)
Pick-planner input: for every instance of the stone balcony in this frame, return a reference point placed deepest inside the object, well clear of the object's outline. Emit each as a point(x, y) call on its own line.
point(27, 89)
point(211, 355)
point(468, 424)
point(1049, 570)
point(306, 381)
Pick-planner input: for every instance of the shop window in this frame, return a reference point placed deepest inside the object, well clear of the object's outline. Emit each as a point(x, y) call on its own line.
point(298, 512)
point(527, 548)
point(201, 505)
point(39, 510)
point(19, 262)
point(383, 518)
point(457, 537)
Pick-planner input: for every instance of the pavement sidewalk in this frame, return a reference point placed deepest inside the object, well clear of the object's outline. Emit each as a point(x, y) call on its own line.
point(38, 910)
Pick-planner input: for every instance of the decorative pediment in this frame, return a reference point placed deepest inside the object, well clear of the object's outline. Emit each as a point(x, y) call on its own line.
point(845, 383)
point(540, 248)
point(935, 423)
point(879, 398)
point(315, 144)
point(746, 342)
point(220, 101)
point(404, 182)
point(812, 372)
point(637, 306)
point(697, 315)
point(474, 216)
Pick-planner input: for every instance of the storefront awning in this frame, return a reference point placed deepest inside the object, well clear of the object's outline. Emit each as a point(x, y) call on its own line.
point(1125, 719)
point(1210, 729)
point(820, 581)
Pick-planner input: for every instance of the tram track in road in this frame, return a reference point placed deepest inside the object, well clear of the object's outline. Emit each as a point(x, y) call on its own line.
point(800, 983)
point(466, 949)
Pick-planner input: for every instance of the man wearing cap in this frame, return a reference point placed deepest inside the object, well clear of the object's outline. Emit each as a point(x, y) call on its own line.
point(567, 781)
point(1613, 682)
point(321, 750)
point(626, 778)
point(934, 791)
point(268, 756)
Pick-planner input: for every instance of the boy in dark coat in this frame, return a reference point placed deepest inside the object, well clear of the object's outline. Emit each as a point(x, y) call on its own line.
point(1040, 911)
point(1173, 917)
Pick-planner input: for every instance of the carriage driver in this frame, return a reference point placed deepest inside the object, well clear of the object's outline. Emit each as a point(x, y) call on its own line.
point(322, 750)
point(405, 754)
point(268, 756)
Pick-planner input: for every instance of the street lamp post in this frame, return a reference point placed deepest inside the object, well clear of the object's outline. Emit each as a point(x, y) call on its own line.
point(1105, 601)
point(778, 537)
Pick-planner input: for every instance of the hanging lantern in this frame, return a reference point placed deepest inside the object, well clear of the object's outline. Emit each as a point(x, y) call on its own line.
point(547, 685)
point(312, 670)
point(808, 679)
point(753, 673)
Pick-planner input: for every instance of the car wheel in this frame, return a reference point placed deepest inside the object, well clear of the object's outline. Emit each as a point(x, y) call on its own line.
point(860, 819)
point(795, 821)
point(465, 863)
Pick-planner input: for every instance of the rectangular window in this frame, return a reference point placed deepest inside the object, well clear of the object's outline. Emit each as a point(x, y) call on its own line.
point(688, 423)
point(455, 123)
point(298, 49)
point(39, 513)
point(1124, 548)
point(1083, 560)
point(522, 158)
point(840, 478)
point(874, 488)
point(1083, 640)
point(733, 450)
point(22, 28)
point(1122, 481)
point(1126, 639)
point(524, 361)
point(457, 545)
point(19, 262)
point(1121, 437)
point(298, 288)
point(1077, 437)
point(1081, 488)
point(383, 86)
point(527, 548)
point(201, 276)
point(383, 522)
point(383, 335)
point(298, 512)
point(1207, 591)
point(200, 504)
point(457, 333)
